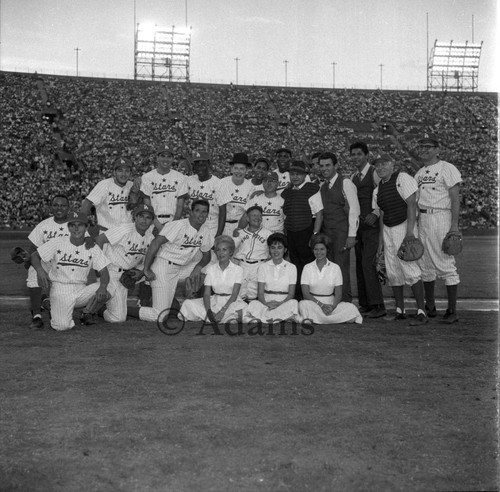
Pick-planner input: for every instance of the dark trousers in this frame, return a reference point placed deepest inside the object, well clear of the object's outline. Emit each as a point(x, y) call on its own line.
point(369, 288)
point(300, 253)
point(342, 257)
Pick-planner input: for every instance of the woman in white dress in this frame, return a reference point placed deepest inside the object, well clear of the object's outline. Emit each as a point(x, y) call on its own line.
point(220, 302)
point(321, 284)
point(276, 286)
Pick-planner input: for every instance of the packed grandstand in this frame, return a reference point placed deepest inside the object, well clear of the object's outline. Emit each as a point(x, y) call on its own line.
point(59, 134)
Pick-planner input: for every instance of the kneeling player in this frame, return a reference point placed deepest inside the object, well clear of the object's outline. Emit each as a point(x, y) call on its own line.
point(70, 264)
point(125, 246)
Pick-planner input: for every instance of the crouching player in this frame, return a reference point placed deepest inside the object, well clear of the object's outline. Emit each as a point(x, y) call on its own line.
point(125, 246)
point(71, 261)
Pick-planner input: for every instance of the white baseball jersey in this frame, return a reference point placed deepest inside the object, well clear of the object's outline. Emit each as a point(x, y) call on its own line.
point(283, 180)
point(163, 191)
point(252, 246)
point(213, 192)
point(240, 194)
point(110, 201)
point(70, 264)
point(46, 230)
point(184, 241)
point(434, 181)
point(273, 218)
point(127, 248)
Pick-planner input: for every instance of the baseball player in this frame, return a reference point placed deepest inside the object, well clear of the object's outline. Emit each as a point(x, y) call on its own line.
point(205, 186)
point(125, 246)
point(45, 231)
point(110, 196)
point(396, 197)
point(260, 167)
point(340, 217)
point(251, 251)
point(165, 189)
point(70, 264)
point(438, 207)
point(240, 190)
point(371, 300)
point(271, 203)
point(284, 160)
point(168, 259)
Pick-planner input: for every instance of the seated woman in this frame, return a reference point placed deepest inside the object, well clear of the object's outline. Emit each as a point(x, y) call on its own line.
point(276, 286)
point(321, 284)
point(224, 280)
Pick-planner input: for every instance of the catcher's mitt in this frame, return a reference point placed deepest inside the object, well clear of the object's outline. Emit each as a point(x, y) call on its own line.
point(411, 249)
point(452, 243)
point(20, 256)
point(130, 277)
point(380, 268)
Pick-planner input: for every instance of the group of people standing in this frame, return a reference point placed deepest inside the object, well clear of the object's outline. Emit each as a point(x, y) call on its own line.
point(274, 247)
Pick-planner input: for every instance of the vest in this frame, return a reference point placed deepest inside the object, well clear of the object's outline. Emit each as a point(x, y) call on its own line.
point(365, 191)
point(335, 211)
point(298, 215)
point(390, 202)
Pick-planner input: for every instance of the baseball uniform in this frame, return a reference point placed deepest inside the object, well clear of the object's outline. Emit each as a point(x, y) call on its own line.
point(273, 218)
point(69, 269)
point(237, 206)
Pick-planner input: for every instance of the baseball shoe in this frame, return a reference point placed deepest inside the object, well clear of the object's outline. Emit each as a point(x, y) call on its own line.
point(431, 313)
point(46, 304)
point(36, 323)
point(377, 312)
point(365, 309)
point(450, 317)
point(87, 319)
point(420, 319)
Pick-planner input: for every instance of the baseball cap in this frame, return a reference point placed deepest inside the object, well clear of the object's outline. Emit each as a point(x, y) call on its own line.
point(299, 166)
point(164, 149)
point(383, 158)
point(122, 162)
point(262, 159)
point(429, 138)
point(201, 156)
point(144, 208)
point(80, 217)
point(284, 149)
point(270, 175)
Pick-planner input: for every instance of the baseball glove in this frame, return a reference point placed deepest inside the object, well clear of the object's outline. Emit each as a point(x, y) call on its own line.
point(452, 243)
point(380, 268)
point(130, 277)
point(20, 256)
point(411, 249)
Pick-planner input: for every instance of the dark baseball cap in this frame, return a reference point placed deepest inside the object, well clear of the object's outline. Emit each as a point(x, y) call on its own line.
point(271, 175)
point(383, 158)
point(122, 162)
point(299, 166)
point(429, 138)
point(201, 156)
point(75, 217)
point(144, 208)
point(284, 149)
point(164, 149)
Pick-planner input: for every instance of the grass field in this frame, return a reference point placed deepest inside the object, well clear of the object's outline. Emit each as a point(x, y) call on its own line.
point(380, 406)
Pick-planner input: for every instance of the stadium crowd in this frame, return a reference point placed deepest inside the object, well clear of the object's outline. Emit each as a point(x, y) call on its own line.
point(99, 119)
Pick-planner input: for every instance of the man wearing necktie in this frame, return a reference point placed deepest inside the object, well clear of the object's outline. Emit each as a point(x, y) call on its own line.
point(370, 298)
point(340, 217)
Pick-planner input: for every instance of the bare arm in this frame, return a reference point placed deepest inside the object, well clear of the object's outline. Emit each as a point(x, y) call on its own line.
point(179, 208)
point(222, 219)
point(411, 214)
point(454, 192)
point(151, 255)
point(101, 240)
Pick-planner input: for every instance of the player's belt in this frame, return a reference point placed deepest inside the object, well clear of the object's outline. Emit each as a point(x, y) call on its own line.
point(432, 210)
point(321, 295)
point(231, 221)
point(275, 292)
point(218, 294)
point(251, 262)
point(163, 216)
point(172, 263)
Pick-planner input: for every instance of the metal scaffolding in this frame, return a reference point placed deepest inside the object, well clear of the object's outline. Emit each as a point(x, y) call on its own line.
point(454, 67)
point(162, 54)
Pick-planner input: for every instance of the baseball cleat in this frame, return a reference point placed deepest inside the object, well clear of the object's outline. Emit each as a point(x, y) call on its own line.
point(36, 323)
point(431, 313)
point(377, 312)
point(450, 317)
point(87, 319)
point(420, 319)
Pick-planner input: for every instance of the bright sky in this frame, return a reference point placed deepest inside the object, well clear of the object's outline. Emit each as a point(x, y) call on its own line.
point(358, 35)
